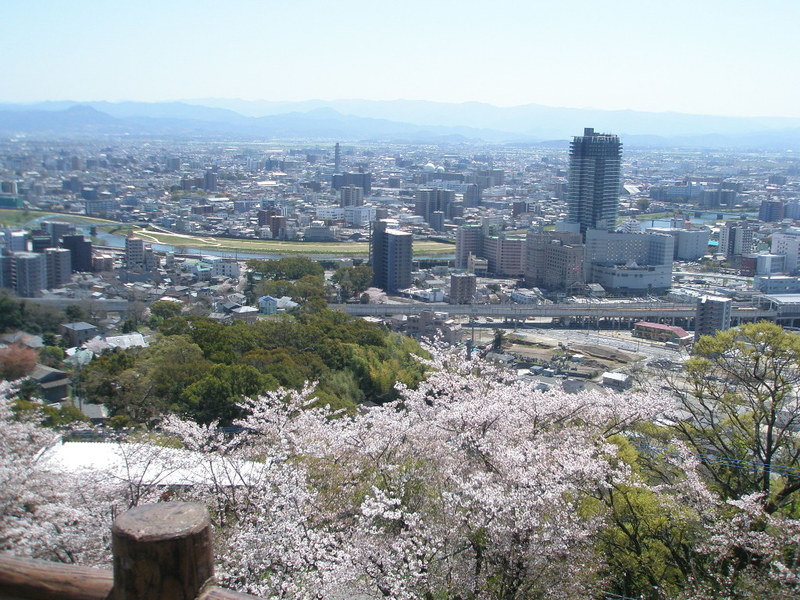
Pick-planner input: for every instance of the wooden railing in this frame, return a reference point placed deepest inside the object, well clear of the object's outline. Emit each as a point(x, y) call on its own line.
point(161, 552)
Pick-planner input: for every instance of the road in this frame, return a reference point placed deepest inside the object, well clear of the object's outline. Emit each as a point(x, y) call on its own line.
point(615, 339)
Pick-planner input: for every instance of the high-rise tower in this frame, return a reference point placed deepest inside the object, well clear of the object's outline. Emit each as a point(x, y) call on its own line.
point(594, 180)
point(390, 257)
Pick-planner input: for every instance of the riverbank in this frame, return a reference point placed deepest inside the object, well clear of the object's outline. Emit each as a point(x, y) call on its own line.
point(20, 218)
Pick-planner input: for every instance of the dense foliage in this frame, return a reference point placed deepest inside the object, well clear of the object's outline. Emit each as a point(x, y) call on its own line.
point(290, 268)
point(203, 369)
point(18, 314)
point(353, 280)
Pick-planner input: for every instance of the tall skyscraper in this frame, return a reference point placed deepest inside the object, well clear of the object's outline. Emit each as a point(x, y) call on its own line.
point(362, 180)
point(469, 240)
point(390, 256)
point(210, 180)
point(57, 230)
point(554, 260)
point(462, 288)
point(593, 180)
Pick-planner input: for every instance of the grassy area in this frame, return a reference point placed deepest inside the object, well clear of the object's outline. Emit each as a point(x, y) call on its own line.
point(15, 218)
point(19, 218)
point(655, 216)
point(356, 249)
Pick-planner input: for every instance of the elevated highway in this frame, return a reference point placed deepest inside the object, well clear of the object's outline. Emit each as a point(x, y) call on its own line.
point(611, 315)
point(93, 306)
point(566, 314)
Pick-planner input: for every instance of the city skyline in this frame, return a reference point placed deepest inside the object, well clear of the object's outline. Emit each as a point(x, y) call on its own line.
point(714, 58)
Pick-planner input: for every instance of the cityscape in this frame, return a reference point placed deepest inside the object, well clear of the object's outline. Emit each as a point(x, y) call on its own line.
point(582, 266)
point(431, 301)
point(452, 231)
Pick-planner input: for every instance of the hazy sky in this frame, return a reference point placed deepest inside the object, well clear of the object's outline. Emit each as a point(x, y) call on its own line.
point(729, 57)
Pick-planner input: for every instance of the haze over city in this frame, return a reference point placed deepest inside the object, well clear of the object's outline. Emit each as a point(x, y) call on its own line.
point(712, 57)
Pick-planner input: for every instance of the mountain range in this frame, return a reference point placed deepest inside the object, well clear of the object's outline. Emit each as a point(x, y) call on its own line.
point(400, 121)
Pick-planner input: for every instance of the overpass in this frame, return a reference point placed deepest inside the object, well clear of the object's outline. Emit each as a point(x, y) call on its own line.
point(611, 314)
point(99, 307)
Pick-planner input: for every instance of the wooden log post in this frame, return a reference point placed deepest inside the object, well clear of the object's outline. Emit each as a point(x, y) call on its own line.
point(162, 552)
point(44, 580)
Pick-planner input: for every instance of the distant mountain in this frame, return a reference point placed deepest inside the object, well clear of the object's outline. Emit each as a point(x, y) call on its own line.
point(76, 118)
point(534, 120)
point(182, 120)
point(393, 121)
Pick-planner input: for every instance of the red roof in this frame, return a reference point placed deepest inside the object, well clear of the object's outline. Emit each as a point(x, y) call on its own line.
point(678, 331)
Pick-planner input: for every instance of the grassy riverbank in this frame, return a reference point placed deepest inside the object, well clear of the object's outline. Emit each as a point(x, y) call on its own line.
point(18, 218)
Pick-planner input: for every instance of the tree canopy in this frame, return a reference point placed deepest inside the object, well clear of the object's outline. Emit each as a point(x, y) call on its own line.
point(19, 314)
point(290, 267)
point(353, 280)
point(741, 393)
point(353, 361)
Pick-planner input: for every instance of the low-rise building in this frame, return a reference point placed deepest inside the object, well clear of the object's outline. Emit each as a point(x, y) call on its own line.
point(617, 381)
point(661, 332)
point(268, 305)
point(78, 332)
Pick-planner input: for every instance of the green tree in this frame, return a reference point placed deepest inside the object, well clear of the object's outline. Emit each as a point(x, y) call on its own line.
point(498, 340)
point(217, 395)
point(144, 384)
point(353, 280)
point(172, 364)
point(75, 313)
point(10, 316)
point(308, 287)
point(129, 326)
point(290, 368)
point(277, 288)
point(174, 326)
point(650, 537)
point(291, 267)
point(133, 396)
point(96, 380)
point(164, 309)
point(52, 356)
point(51, 416)
point(16, 314)
point(741, 394)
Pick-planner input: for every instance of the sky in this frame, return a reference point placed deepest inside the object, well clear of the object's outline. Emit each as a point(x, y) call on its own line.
point(721, 57)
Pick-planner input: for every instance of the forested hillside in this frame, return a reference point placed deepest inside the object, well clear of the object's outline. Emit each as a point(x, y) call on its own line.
point(201, 369)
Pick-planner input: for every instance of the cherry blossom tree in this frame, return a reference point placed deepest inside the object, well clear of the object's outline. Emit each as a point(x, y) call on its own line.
point(470, 485)
point(45, 515)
